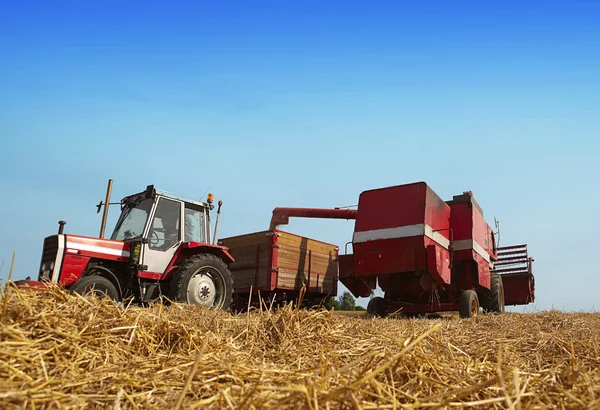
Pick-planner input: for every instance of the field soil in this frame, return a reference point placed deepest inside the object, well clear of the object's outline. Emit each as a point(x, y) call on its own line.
point(63, 351)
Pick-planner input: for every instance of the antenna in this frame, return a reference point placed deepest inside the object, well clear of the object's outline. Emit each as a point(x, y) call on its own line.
point(346, 207)
point(204, 194)
point(497, 223)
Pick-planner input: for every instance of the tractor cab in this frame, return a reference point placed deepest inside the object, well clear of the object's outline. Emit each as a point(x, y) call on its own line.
point(156, 223)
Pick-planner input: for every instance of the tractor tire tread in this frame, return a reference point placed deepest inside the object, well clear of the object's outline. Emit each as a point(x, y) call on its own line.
point(100, 282)
point(177, 286)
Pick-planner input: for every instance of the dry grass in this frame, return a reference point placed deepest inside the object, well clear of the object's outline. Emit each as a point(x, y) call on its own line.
point(62, 351)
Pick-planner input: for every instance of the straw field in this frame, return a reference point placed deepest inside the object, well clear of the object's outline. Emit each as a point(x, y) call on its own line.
point(63, 351)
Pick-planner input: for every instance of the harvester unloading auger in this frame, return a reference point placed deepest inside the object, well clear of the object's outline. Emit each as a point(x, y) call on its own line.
point(427, 255)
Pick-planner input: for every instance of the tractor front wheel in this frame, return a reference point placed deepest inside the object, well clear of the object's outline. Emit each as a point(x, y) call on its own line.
point(205, 280)
point(97, 285)
point(469, 304)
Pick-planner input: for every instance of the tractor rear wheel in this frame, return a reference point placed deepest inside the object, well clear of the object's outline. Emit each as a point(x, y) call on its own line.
point(205, 280)
point(376, 307)
point(97, 285)
point(494, 298)
point(469, 304)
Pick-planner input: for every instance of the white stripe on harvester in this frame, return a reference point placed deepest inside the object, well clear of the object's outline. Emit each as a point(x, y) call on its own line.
point(471, 244)
point(401, 232)
point(97, 249)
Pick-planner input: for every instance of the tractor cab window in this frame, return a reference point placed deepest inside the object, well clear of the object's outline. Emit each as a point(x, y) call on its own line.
point(132, 221)
point(194, 228)
point(165, 230)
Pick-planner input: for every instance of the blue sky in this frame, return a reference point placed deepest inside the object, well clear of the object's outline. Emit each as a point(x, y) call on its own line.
point(307, 104)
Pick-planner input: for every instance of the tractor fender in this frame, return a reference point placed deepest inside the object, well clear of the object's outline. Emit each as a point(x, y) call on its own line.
point(220, 251)
point(188, 249)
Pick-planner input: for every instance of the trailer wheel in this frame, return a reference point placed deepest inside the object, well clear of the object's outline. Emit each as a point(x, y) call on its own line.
point(376, 307)
point(494, 298)
point(469, 304)
point(205, 280)
point(97, 285)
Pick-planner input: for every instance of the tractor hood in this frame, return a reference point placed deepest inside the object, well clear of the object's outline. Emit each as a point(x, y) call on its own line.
point(97, 248)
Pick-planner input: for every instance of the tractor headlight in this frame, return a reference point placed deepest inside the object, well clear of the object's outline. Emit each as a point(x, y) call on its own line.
point(45, 270)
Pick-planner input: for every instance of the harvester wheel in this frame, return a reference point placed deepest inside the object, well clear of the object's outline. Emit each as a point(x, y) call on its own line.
point(317, 303)
point(376, 307)
point(469, 304)
point(97, 285)
point(203, 279)
point(494, 298)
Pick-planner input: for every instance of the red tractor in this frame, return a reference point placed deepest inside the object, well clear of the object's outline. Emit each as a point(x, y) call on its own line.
point(426, 254)
point(160, 246)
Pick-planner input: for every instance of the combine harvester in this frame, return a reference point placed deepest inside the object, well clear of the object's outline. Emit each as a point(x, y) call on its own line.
point(427, 255)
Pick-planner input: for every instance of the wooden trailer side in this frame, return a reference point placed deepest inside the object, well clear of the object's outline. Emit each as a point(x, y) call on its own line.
point(304, 261)
point(252, 254)
point(278, 260)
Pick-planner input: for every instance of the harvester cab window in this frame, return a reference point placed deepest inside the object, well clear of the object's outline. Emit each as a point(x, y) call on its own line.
point(165, 230)
point(194, 224)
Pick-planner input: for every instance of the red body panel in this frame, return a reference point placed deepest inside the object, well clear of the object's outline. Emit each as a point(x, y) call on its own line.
point(97, 248)
point(31, 285)
point(221, 250)
point(150, 275)
point(519, 288)
point(438, 264)
point(472, 237)
point(396, 226)
point(359, 286)
point(72, 268)
point(401, 205)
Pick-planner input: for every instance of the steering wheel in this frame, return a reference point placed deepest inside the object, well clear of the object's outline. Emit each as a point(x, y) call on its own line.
point(154, 239)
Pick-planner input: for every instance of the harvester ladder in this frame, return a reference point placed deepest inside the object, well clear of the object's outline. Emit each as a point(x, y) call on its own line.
point(513, 259)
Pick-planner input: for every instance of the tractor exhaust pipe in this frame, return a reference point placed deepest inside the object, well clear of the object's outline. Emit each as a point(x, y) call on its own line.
point(217, 222)
point(61, 227)
point(105, 214)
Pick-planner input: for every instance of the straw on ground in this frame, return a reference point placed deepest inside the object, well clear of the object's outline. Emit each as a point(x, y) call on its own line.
point(62, 351)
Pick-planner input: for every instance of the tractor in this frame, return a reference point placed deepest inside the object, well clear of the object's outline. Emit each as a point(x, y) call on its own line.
point(160, 247)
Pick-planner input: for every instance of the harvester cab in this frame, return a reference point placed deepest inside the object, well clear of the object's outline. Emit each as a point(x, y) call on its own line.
point(161, 245)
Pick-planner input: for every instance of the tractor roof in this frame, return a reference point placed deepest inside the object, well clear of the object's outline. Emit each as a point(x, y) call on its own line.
point(180, 198)
point(151, 191)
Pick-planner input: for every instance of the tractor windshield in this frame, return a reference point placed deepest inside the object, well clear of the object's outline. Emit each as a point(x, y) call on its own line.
point(132, 221)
